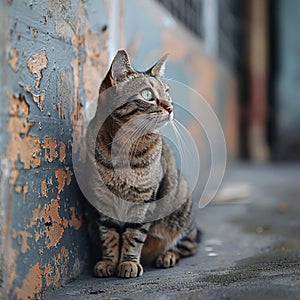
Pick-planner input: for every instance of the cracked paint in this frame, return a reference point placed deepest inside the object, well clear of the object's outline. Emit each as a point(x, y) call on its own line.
point(22, 189)
point(49, 214)
point(44, 189)
point(22, 146)
point(65, 93)
point(32, 284)
point(62, 177)
point(36, 64)
point(38, 99)
point(62, 151)
point(35, 32)
point(52, 271)
point(56, 57)
point(50, 144)
point(94, 61)
point(75, 222)
point(22, 237)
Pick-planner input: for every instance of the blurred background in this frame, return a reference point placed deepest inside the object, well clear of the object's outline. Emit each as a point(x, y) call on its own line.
point(244, 62)
point(241, 56)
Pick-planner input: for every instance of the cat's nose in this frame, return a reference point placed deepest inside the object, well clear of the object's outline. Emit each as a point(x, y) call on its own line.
point(169, 108)
point(166, 105)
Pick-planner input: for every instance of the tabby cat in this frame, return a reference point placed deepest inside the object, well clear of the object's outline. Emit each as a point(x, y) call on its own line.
point(145, 174)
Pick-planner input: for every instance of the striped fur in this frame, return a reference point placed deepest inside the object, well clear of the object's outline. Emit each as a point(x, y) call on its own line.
point(149, 174)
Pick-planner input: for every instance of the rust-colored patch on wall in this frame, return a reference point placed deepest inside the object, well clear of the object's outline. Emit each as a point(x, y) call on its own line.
point(37, 236)
point(50, 144)
point(22, 189)
point(62, 151)
point(39, 213)
point(74, 221)
point(59, 111)
point(52, 271)
point(55, 230)
point(54, 233)
point(50, 215)
point(62, 177)
point(49, 221)
point(48, 274)
point(38, 99)
point(22, 146)
point(32, 284)
point(44, 190)
point(13, 58)
point(22, 237)
point(36, 64)
point(56, 225)
point(35, 32)
point(93, 61)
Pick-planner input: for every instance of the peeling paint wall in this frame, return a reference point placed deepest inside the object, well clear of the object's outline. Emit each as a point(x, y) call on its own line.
point(54, 54)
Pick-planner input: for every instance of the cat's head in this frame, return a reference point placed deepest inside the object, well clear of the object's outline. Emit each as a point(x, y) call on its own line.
point(142, 94)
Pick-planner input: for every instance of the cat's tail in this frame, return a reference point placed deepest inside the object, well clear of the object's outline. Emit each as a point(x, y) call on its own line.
point(188, 244)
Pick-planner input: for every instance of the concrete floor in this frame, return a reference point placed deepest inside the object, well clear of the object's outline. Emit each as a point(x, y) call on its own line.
point(250, 249)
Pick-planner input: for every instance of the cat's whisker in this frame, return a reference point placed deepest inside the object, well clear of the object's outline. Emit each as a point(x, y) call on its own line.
point(129, 126)
point(132, 137)
point(184, 140)
point(120, 136)
point(180, 137)
point(143, 134)
point(182, 127)
point(135, 143)
point(179, 141)
point(131, 140)
point(169, 79)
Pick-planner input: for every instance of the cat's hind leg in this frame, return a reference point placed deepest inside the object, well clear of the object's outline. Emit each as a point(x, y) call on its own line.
point(186, 246)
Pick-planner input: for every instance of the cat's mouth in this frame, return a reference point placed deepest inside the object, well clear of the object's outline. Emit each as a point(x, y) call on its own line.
point(162, 119)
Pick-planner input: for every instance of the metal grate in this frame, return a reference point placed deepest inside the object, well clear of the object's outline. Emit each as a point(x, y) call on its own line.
point(230, 32)
point(225, 33)
point(188, 12)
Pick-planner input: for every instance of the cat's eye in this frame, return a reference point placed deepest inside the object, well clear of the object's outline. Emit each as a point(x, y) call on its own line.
point(147, 94)
point(167, 93)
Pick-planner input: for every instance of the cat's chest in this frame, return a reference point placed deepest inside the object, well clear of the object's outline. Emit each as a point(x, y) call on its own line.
point(132, 176)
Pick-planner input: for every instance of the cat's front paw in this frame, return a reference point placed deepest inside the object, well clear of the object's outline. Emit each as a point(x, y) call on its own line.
point(129, 269)
point(166, 260)
point(104, 268)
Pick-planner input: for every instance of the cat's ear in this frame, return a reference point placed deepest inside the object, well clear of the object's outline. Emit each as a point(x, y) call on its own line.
point(158, 69)
point(121, 68)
